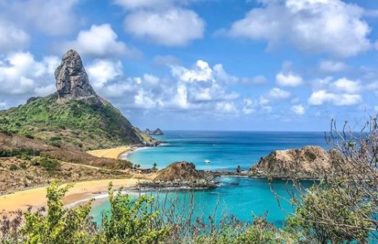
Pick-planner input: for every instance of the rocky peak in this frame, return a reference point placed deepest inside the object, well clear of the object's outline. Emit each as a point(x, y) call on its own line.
point(72, 79)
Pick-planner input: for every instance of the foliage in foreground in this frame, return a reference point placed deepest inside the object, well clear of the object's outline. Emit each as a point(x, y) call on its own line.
point(332, 214)
point(128, 222)
point(136, 221)
point(59, 225)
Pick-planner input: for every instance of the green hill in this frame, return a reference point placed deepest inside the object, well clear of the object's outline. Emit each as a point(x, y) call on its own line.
point(75, 122)
point(75, 115)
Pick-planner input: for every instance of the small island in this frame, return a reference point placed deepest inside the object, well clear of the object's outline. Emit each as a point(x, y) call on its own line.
point(156, 132)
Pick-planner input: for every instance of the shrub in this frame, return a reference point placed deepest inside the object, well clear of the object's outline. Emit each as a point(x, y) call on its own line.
point(48, 164)
point(59, 225)
point(22, 153)
point(332, 215)
point(131, 221)
point(13, 167)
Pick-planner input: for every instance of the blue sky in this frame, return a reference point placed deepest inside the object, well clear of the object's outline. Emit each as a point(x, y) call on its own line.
point(202, 64)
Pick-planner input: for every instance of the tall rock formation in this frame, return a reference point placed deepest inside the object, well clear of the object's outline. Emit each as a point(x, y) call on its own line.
point(72, 79)
point(74, 115)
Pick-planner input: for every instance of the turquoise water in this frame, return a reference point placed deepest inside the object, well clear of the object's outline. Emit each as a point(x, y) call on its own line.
point(224, 150)
point(240, 197)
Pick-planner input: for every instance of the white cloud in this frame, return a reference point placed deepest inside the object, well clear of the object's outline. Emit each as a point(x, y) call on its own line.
point(101, 71)
point(330, 26)
point(52, 17)
point(340, 92)
point(330, 66)
point(196, 88)
point(298, 109)
point(288, 79)
point(277, 93)
point(49, 16)
point(145, 100)
point(322, 96)
point(221, 74)
point(226, 108)
point(171, 27)
point(345, 85)
point(181, 97)
point(118, 89)
point(99, 40)
point(200, 73)
point(45, 90)
point(20, 74)
point(11, 37)
point(201, 84)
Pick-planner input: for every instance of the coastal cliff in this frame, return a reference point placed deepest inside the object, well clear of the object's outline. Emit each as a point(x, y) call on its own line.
point(310, 162)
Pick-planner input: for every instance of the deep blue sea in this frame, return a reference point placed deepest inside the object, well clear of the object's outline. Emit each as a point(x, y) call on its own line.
point(243, 198)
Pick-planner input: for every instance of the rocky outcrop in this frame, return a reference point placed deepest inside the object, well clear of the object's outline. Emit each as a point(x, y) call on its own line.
point(181, 175)
point(72, 79)
point(311, 162)
point(157, 132)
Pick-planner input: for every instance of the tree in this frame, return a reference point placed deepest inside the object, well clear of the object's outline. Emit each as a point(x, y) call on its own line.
point(154, 167)
point(238, 169)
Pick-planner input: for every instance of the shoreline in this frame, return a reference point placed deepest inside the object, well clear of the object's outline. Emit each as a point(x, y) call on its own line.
point(80, 192)
point(125, 155)
point(113, 153)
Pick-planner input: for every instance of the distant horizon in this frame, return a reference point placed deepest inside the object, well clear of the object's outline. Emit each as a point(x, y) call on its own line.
point(189, 130)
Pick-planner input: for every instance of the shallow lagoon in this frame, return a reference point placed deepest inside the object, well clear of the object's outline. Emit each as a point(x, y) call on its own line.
point(243, 198)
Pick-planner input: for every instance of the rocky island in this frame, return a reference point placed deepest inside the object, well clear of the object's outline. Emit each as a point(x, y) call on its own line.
point(157, 132)
point(310, 162)
point(181, 175)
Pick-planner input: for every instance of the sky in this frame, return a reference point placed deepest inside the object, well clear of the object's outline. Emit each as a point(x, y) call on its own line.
point(259, 65)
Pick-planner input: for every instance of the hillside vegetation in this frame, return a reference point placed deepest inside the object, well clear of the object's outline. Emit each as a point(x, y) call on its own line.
point(76, 123)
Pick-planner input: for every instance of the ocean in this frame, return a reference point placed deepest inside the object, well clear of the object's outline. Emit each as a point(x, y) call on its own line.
point(242, 198)
point(221, 150)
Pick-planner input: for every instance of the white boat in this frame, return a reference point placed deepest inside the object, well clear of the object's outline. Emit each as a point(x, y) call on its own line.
point(207, 161)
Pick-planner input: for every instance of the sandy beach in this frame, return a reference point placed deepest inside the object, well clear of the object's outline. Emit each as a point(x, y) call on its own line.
point(113, 153)
point(81, 191)
point(36, 197)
